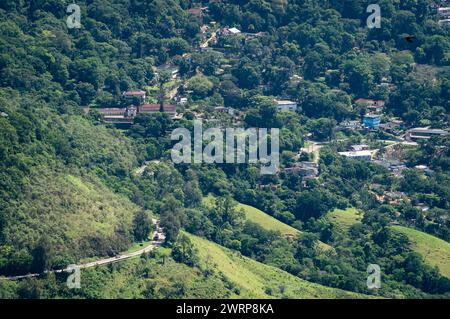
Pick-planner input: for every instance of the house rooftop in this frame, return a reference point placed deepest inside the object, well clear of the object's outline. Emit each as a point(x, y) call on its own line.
point(111, 111)
point(372, 116)
point(357, 153)
point(427, 130)
point(280, 102)
point(135, 93)
point(156, 107)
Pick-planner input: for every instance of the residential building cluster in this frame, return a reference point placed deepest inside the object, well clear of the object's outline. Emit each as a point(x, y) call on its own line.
point(137, 105)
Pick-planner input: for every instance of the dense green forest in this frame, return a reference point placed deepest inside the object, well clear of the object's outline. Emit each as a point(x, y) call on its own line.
point(73, 188)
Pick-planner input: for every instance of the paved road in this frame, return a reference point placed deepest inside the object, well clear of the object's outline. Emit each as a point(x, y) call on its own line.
point(105, 261)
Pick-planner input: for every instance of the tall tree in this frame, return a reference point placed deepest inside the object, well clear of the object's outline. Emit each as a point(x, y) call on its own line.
point(141, 226)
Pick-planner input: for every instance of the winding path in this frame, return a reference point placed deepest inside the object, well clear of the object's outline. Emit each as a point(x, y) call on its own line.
point(105, 261)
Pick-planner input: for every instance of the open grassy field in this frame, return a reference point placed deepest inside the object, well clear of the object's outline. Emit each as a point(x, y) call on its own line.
point(345, 218)
point(266, 221)
point(435, 250)
point(256, 280)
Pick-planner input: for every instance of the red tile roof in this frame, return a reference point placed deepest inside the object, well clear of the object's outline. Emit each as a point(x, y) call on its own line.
point(155, 108)
point(363, 101)
point(196, 11)
point(112, 111)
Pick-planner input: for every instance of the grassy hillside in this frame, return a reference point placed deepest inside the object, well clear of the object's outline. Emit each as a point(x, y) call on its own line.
point(264, 220)
point(71, 213)
point(345, 218)
point(257, 280)
point(435, 251)
point(153, 278)
point(228, 275)
point(257, 216)
point(58, 174)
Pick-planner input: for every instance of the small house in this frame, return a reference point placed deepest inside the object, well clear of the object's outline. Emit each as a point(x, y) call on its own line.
point(365, 155)
point(424, 133)
point(371, 120)
point(285, 105)
point(154, 108)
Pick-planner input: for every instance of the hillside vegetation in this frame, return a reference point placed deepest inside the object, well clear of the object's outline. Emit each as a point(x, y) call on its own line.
point(257, 280)
point(435, 251)
point(56, 204)
point(266, 221)
point(73, 212)
point(155, 277)
point(221, 273)
point(257, 216)
point(345, 218)
point(76, 184)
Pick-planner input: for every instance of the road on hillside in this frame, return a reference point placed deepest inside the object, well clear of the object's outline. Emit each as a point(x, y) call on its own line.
point(313, 148)
point(213, 37)
point(155, 243)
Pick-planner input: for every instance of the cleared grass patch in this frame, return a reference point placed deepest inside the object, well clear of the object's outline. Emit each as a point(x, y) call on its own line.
point(435, 250)
point(266, 221)
point(345, 218)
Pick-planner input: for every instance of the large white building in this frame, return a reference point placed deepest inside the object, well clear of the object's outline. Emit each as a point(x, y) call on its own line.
point(444, 22)
point(365, 155)
point(284, 105)
point(443, 12)
point(424, 133)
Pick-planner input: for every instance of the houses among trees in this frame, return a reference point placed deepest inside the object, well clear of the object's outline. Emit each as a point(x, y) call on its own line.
point(125, 116)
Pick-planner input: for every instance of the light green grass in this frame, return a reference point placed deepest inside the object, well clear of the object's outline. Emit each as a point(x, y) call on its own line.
point(264, 220)
point(138, 246)
point(67, 209)
point(256, 280)
point(133, 277)
point(257, 216)
point(435, 250)
point(345, 218)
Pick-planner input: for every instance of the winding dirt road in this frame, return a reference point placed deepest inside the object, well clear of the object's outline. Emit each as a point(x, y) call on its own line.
point(105, 261)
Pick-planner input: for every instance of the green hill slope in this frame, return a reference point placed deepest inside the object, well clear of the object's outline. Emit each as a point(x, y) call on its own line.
point(223, 273)
point(78, 217)
point(435, 250)
point(345, 218)
point(257, 216)
point(257, 280)
point(264, 220)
